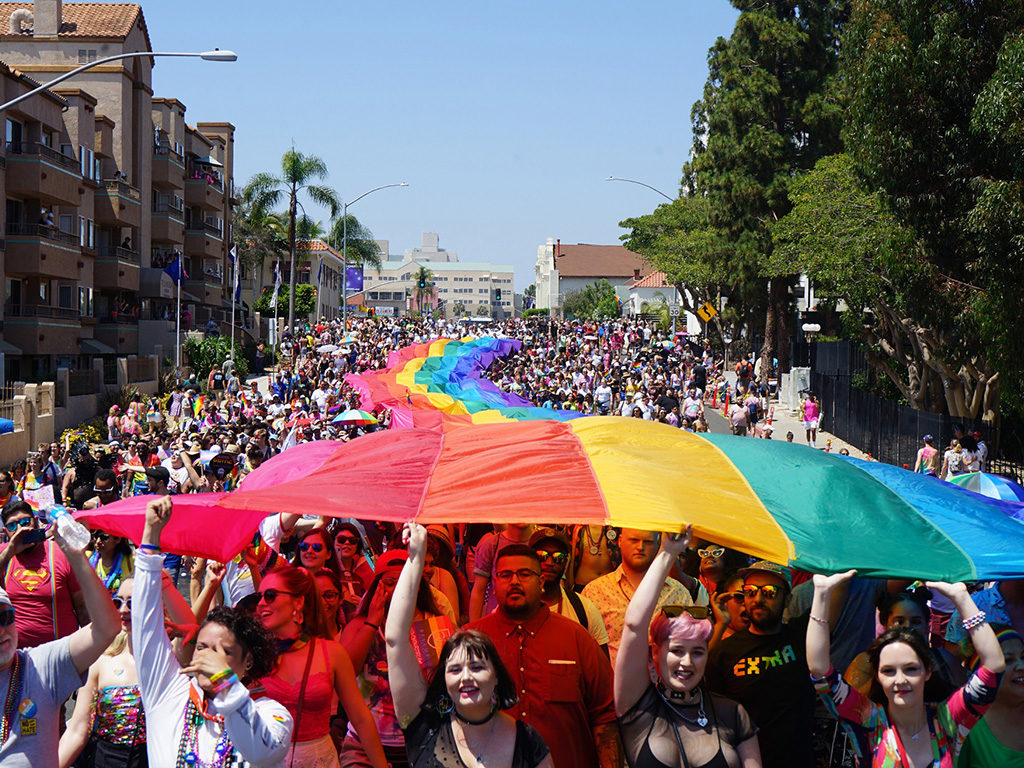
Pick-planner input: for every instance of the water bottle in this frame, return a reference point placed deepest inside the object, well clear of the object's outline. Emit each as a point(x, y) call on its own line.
point(73, 532)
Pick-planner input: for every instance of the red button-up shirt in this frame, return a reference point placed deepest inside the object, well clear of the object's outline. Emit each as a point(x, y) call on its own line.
point(563, 680)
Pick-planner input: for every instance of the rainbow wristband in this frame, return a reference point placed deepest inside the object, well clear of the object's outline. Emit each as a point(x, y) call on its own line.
point(221, 681)
point(975, 621)
point(153, 549)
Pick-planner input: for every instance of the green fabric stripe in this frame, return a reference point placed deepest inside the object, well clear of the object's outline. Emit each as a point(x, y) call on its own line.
point(838, 516)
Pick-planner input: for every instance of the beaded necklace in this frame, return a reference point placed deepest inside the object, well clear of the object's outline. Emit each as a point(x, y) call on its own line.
point(113, 575)
point(13, 695)
point(188, 748)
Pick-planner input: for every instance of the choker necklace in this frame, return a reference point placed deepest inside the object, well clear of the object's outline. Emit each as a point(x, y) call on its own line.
point(673, 697)
point(467, 721)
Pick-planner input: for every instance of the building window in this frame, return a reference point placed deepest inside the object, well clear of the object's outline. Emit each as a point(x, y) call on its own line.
point(85, 55)
point(65, 296)
point(44, 291)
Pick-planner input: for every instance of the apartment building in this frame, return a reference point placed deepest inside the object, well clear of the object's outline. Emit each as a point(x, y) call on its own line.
point(152, 186)
point(471, 285)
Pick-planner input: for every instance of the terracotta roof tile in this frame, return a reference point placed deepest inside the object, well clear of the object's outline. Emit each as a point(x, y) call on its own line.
point(87, 19)
point(654, 280)
point(583, 260)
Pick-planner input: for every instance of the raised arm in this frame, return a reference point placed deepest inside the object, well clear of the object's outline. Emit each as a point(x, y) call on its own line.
point(407, 686)
point(87, 643)
point(79, 726)
point(631, 676)
point(818, 627)
point(990, 653)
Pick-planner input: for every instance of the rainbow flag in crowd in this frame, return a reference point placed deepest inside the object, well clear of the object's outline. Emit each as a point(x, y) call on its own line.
point(439, 384)
point(198, 405)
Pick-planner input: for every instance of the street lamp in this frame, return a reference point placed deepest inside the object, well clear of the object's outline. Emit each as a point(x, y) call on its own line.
point(214, 55)
point(642, 184)
point(344, 247)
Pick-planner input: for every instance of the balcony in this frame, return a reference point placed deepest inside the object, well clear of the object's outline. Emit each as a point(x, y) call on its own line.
point(118, 203)
point(36, 170)
point(117, 268)
point(39, 329)
point(122, 334)
point(168, 221)
point(204, 239)
point(205, 194)
point(208, 288)
point(168, 168)
point(42, 249)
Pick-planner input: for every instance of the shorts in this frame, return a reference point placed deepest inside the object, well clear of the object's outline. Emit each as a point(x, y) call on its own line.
point(739, 431)
point(810, 423)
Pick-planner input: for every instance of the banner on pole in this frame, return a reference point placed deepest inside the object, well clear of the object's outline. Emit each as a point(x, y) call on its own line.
point(354, 279)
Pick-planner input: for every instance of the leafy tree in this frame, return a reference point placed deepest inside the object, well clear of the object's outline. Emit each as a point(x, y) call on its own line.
point(483, 311)
point(765, 114)
point(203, 354)
point(362, 248)
point(424, 290)
point(595, 301)
point(298, 172)
point(459, 308)
point(933, 97)
point(305, 299)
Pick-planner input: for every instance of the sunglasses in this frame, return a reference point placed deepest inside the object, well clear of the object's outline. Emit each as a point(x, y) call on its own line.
point(735, 597)
point(696, 611)
point(6, 617)
point(556, 556)
point(770, 591)
point(14, 525)
point(347, 540)
point(101, 535)
point(119, 601)
point(270, 595)
point(330, 594)
point(96, 490)
point(711, 552)
point(306, 545)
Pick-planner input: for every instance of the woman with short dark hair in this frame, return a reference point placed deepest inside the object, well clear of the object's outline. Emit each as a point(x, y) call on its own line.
point(459, 713)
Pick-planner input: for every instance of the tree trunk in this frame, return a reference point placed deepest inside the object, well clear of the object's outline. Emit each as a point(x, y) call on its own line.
point(293, 204)
point(776, 326)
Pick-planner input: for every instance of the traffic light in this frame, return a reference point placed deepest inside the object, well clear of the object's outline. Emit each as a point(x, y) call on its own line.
point(497, 294)
point(423, 282)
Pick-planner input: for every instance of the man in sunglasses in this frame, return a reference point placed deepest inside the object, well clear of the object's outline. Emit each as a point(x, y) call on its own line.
point(552, 547)
point(106, 489)
point(762, 667)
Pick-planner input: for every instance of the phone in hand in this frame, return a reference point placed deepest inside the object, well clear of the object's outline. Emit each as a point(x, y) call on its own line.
point(33, 537)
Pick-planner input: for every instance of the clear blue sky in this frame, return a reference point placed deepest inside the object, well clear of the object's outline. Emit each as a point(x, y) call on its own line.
point(504, 117)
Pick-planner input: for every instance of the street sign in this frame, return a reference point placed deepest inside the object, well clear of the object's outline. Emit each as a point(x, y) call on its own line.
point(673, 310)
point(706, 311)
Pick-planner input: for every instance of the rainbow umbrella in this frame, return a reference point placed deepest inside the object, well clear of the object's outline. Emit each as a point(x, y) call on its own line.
point(782, 502)
point(438, 385)
point(993, 486)
point(354, 416)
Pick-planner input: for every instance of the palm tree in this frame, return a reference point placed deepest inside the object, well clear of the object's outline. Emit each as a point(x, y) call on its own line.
point(362, 248)
point(297, 173)
point(424, 285)
point(259, 234)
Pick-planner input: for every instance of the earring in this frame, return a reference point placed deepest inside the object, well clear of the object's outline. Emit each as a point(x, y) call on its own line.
point(444, 705)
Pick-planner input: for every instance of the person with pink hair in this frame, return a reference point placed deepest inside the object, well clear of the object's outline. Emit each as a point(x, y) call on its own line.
point(675, 721)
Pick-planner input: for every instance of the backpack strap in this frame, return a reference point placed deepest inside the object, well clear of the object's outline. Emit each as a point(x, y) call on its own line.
point(577, 606)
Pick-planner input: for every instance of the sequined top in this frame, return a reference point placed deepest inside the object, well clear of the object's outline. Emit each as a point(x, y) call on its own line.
point(120, 718)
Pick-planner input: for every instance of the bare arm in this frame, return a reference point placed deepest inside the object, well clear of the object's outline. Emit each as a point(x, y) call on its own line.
point(631, 676)
point(477, 596)
point(355, 707)
point(609, 746)
point(750, 752)
point(818, 640)
point(408, 690)
point(87, 643)
point(77, 734)
point(990, 653)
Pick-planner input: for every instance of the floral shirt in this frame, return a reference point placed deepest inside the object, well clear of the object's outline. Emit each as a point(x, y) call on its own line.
point(963, 708)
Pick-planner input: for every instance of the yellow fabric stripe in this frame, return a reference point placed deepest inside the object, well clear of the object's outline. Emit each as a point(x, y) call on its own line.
point(406, 375)
point(657, 477)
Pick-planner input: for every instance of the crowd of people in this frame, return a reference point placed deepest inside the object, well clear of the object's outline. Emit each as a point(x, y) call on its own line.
point(329, 642)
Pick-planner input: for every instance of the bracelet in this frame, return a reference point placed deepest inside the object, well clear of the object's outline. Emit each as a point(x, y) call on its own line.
point(221, 681)
point(812, 617)
point(370, 624)
point(152, 548)
point(975, 621)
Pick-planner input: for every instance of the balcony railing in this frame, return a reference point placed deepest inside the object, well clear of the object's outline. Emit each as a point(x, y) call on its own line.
point(40, 310)
point(171, 205)
point(33, 148)
point(211, 178)
point(121, 254)
point(45, 231)
point(163, 150)
point(122, 188)
point(206, 226)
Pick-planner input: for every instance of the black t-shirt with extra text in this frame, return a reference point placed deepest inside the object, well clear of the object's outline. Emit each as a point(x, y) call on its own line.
point(768, 675)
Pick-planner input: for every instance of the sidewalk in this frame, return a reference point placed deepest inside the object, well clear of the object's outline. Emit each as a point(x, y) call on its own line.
point(784, 420)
